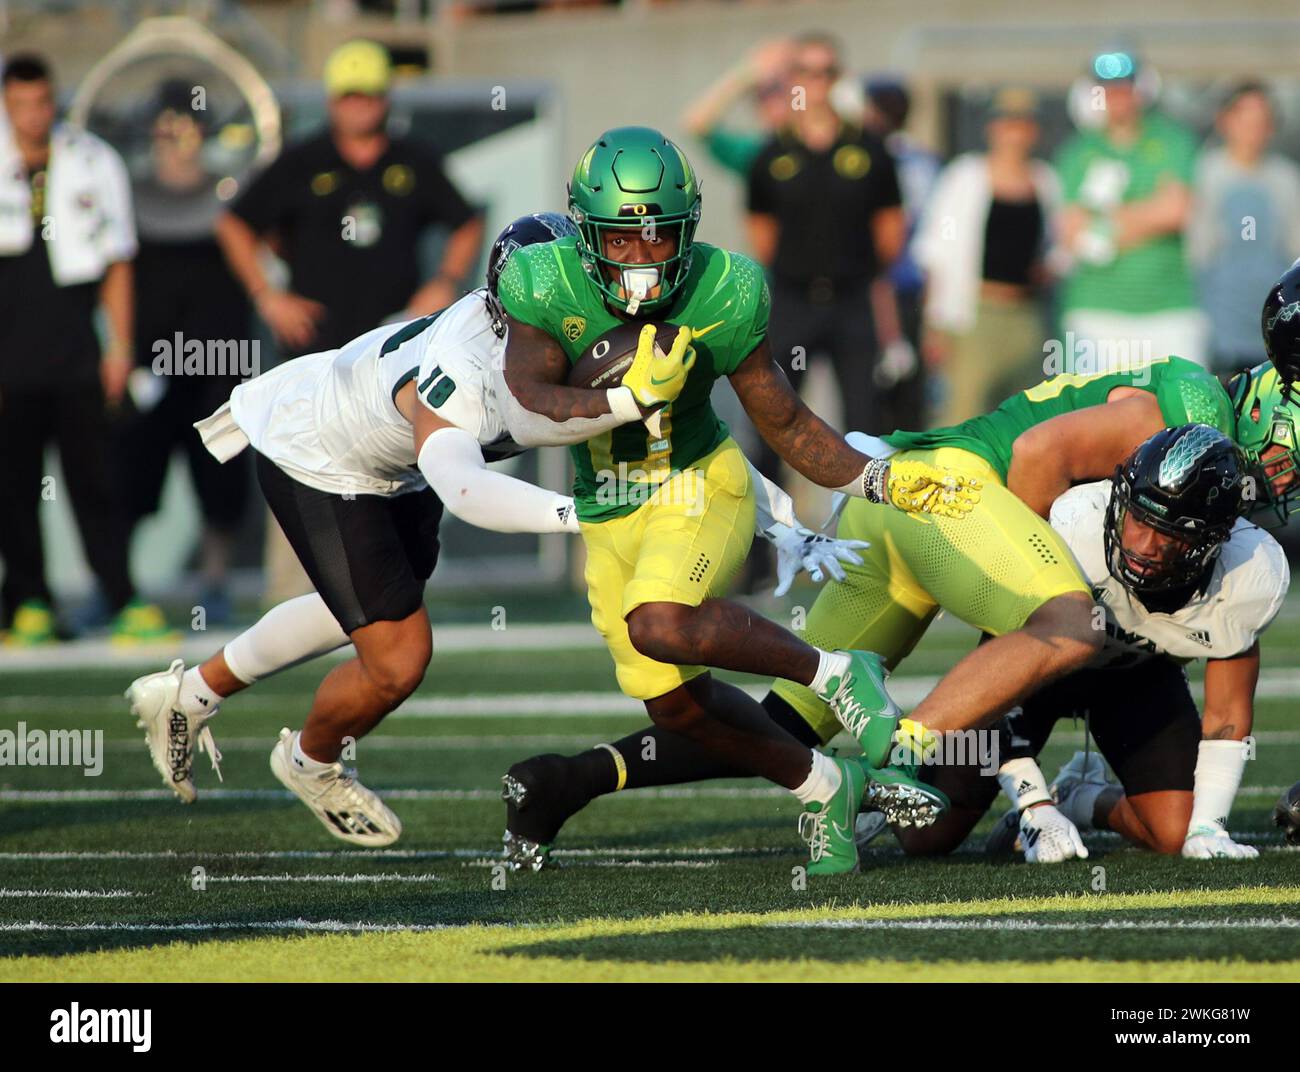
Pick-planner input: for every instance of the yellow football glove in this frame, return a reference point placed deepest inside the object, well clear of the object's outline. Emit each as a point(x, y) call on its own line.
point(655, 378)
point(913, 743)
point(916, 487)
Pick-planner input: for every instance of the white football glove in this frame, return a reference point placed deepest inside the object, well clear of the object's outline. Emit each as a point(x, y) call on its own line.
point(803, 549)
point(1048, 837)
point(1209, 841)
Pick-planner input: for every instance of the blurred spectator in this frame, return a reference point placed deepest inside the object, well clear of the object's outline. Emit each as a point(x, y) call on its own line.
point(345, 210)
point(66, 243)
point(1127, 187)
point(826, 218)
point(898, 293)
point(763, 78)
point(184, 290)
point(982, 244)
point(1245, 223)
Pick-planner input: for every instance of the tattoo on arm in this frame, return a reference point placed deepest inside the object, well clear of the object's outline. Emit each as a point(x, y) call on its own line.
point(802, 439)
point(535, 370)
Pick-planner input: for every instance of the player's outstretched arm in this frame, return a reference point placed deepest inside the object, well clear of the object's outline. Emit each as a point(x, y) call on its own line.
point(452, 461)
point(802, 439)
point(812, 447)
point(1087, 444)
point(1226, 720)
point(797, 548)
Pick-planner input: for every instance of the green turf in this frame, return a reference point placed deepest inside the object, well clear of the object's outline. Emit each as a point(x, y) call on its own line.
point(653, 886)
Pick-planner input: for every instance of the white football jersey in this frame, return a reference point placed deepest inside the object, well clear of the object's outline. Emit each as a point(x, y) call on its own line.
point(329, 419)
point(1245, 590)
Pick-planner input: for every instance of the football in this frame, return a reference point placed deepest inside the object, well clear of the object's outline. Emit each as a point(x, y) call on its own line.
point(604, 362)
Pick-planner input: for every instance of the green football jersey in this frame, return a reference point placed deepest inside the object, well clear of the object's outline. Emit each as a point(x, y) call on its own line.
point(724, 299)
point(1185, 391)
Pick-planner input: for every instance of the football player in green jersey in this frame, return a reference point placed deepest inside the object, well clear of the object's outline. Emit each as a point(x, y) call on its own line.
point(666, 508)
point(992, 570)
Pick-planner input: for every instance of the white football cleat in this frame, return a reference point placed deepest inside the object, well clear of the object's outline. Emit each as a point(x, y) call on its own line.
point(169, 731)
point(345, 807)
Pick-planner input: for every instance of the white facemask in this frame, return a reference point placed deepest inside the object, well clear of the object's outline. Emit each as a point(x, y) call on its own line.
point(637, 284)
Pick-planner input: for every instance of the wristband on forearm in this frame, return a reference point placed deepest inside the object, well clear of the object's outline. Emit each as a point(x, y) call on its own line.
point(875, 481)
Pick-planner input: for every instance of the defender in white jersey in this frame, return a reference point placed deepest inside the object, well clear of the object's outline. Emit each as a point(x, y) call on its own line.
point(1179, 576)
point(358, 449)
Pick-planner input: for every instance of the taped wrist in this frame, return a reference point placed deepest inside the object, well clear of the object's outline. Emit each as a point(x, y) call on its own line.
point(1023, 782)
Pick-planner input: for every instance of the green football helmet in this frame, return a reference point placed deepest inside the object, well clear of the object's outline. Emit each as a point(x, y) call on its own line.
point(633, 178)
point(1275, 425)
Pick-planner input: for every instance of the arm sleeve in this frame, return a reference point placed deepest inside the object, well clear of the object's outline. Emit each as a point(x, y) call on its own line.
point(771, 504)
point(453, 464)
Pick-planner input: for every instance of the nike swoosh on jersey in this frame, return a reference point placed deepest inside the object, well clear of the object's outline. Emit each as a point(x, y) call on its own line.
point(698, 333)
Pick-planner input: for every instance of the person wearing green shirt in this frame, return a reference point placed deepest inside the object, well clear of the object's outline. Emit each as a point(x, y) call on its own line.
point(1127, 190)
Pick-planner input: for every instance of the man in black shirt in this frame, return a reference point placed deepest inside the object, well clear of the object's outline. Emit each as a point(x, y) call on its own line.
point(826, 218)
point(345, 210)
point(66, 243)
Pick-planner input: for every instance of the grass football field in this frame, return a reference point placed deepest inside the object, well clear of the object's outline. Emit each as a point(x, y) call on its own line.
point(110, 878)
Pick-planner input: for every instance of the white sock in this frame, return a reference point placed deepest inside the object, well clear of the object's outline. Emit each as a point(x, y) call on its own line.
point(289, 633)
point(303, 762)
point(196, 696)
point(823, 781)
point(831, 664)
point(1219, 766)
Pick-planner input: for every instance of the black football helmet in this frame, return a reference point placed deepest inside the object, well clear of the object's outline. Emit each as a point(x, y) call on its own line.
point(525, 231)
point(1286, 814)
point(1183, 482)
point(1280, 323)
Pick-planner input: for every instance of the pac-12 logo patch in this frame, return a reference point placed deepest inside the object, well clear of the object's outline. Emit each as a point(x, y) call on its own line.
point(573, 327)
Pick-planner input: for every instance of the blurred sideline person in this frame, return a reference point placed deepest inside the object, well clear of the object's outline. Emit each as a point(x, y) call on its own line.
point(1127, 188)
point(1245, 223)
point(763, 78)
point(1181, 577)
point(982, 244)
point(66, 243)
point(357, 449)
point(900, 374)
point(184, 288)
point(825, 219)
point(345, 210)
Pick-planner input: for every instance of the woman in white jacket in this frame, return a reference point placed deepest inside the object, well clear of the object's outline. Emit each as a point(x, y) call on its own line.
point(982, 243)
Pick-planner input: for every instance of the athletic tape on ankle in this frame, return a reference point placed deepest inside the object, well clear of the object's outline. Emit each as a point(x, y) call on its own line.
point(620, 764)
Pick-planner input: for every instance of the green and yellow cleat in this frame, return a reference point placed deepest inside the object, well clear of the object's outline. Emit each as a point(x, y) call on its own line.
point(828, 827)
point(141, 623)
point(32, 626)
point(859, 700)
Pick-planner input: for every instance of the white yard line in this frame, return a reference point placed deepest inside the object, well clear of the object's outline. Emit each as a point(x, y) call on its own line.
point(1012, 924)
point(194, 647)
point(387, 855)
point(73, 894)
point(907, 690)
point(672, 792)
point(357, 878)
